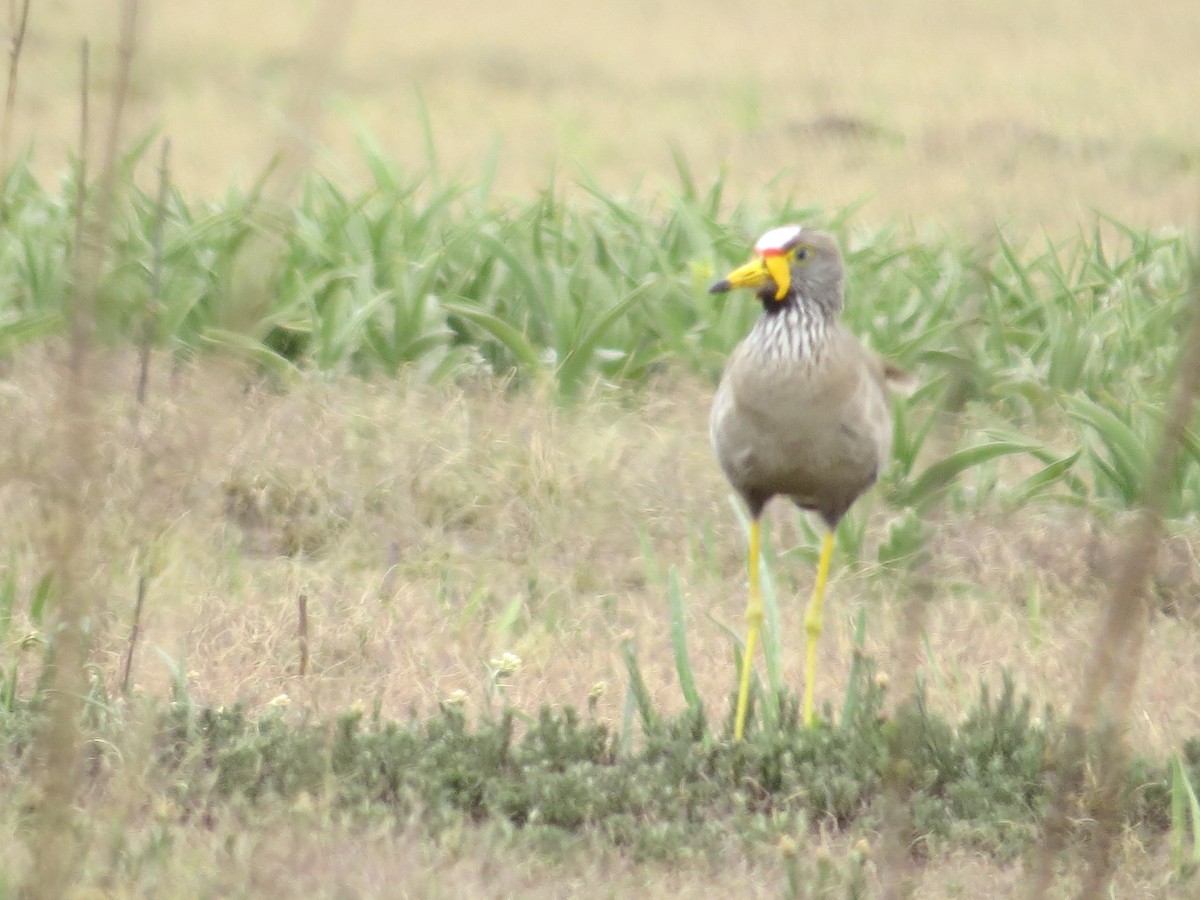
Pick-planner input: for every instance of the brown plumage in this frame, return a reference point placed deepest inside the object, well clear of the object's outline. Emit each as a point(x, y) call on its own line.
point(801, 411)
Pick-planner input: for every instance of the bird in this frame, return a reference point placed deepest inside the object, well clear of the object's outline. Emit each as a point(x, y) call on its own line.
point(802, 411)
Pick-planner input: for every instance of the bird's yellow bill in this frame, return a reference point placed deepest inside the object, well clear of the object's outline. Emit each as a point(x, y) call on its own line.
point(772, 267)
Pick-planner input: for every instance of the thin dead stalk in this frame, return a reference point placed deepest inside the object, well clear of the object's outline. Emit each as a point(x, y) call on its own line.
point(155, 298)
point(54, 846)
point(94, 230)
point(81, 176)
point(898, 873)
point(302, 633)
point(1113, 667)
point(18, 25)
point(134, 630)
point(151, 325)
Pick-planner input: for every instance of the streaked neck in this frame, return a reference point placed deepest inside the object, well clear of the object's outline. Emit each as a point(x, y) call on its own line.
point(796, 331)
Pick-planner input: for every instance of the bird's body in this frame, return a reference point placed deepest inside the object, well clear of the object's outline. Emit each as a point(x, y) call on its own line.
point(802, 409)
point(818, 431)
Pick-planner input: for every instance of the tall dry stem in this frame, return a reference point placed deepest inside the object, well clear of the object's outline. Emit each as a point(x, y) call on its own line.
point(1112, 669)
point(17, 23)
point(899, 875)
point(55, 846)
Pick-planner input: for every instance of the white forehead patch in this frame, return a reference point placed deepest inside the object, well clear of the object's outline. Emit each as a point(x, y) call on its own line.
point(777, 238)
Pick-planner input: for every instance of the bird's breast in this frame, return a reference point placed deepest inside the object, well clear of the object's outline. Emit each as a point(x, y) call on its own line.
point(818, 430)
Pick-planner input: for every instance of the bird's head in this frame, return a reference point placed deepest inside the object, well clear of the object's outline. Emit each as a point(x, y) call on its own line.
point(790, 261)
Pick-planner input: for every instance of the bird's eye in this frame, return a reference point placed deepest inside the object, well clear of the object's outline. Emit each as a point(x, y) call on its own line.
point(802, 253)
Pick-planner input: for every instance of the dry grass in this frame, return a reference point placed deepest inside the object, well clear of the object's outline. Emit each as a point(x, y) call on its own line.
point(433, 529)
point(304, 852)
point(413, 517)
point(1027, 113)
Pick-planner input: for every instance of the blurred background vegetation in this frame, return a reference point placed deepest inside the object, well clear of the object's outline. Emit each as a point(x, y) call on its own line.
point(387, 429)
point(936, 113)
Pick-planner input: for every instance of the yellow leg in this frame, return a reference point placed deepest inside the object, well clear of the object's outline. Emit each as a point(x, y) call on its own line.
point(754, 618)
point(812, 626)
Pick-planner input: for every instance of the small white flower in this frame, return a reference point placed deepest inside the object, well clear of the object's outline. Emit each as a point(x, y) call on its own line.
point(506, 665)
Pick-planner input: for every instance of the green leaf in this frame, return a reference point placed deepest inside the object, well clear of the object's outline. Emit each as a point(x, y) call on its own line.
point(937, 476)
point(627, 720)
point(906, 541)
point(771, 641)
point(41, 595)
point(1045, 478)
point(1184, 805)
point(508, 618)
point(1126, 458)
point(525, 270)
point(516, 342)
point(29, 327)
point(571, 370)
point(244, 345)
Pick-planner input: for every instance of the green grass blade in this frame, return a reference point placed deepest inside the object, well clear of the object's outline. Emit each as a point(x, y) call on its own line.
point(8, 597)
point(244, 345)
point(527, 270)
point(637, 685)
point(627, 720)
point(9, 698)
point(29, 327)
point(683, 664)
point(939, 475)
point(582, 355)
point(1194, 808)
point(771, 642)
point(735, 642)
point(41, 596)
point(506, 622)
point(1051, 475)
point(687, 182)
point(431, 155)
point(515, 341)
point(857, 662)
point(1124, 456)
point(1184, 806)
point(649, 557)
point(1179, 814)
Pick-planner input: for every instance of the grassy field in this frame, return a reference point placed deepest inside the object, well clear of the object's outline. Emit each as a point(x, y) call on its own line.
point(1026, 115)
point(422, 457)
